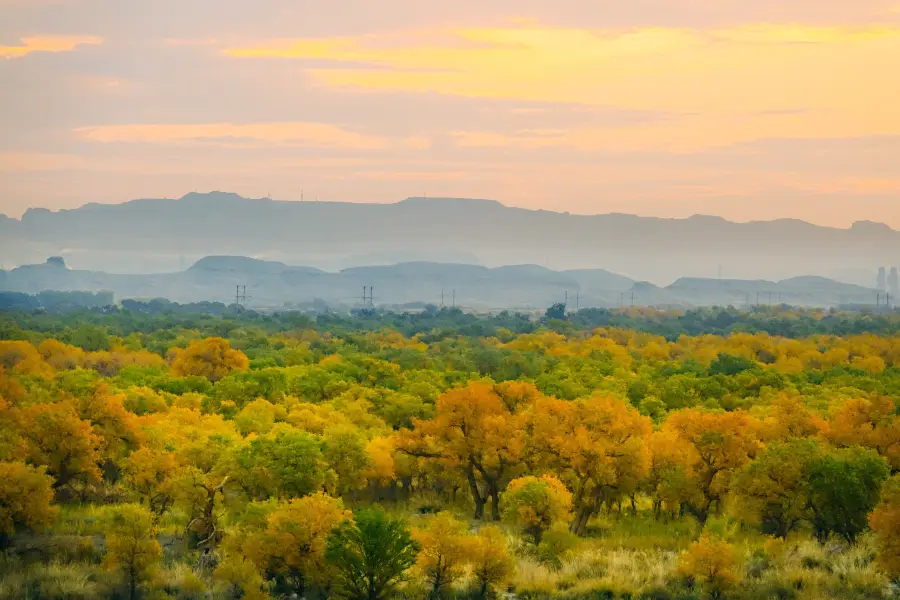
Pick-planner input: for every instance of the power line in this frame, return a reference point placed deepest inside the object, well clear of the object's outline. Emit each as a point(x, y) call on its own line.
point(240, 298)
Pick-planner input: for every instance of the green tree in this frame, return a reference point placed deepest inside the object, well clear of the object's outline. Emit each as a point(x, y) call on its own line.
point(288, 464)
point(371, 554)
point(557, 311)
point(844, 488)
point(773, 489)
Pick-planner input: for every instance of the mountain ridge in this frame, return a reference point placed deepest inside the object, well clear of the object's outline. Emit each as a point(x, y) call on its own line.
point(154, 235)
point(434, 200)
point(273, 284)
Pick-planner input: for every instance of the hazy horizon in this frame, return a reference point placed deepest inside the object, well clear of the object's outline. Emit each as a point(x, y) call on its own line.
point(669, 109)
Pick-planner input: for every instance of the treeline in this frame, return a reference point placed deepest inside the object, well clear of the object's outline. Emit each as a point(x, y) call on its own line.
point(217, 319)
point(54, 301)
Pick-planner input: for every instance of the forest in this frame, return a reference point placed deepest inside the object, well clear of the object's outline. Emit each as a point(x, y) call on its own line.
point(160, 453)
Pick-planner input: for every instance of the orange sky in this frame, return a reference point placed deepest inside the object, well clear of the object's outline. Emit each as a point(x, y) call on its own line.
point(666, 107)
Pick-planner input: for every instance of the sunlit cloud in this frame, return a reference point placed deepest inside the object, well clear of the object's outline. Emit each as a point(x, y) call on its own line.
point(309, 134)
point(725, 86)
point(48, 43)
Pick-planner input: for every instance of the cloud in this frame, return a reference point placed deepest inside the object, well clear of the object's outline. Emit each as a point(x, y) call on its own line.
point(286, 134)
point(48, 43)
point(727, 85)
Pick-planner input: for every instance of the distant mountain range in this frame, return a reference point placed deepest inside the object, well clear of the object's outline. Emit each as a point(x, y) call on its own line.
point(157, 235)
point(270, 284)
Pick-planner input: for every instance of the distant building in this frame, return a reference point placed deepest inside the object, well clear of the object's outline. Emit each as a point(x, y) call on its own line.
point(882, 280)
point(894, 285)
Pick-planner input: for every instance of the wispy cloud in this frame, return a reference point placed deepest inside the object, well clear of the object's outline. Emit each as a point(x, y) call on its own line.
point(48, 43)
point(309, 134)
point(727, 85)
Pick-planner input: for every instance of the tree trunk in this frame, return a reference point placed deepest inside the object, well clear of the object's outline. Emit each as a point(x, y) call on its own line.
point(580, 521)
point(495, 500)
point(477, 498)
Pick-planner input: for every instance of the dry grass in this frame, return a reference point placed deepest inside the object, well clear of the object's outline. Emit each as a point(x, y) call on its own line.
point(619, 571)
point(51, 581)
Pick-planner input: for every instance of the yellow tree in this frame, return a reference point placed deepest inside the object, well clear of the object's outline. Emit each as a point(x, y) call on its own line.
point(292, 545)
point(719, 444)
point(151, 472)
point(491, 562)
point(213, 358)
point(871, 423)
point(536, 504)
point(475, 433)
point(25, 498)
point(55, 437)
point(62, 357)
point(131, 545)
point(668, 481)
point(118, 428)
point(444, 552)
point(24, 359)
point(597, 446)
point(711, 562)
point(202, 444)
point(790, 418)
point(241, 578)
point(885, 522)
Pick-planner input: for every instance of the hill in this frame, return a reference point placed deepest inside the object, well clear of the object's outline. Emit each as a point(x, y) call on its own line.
point(153, 235)
point(273, 284)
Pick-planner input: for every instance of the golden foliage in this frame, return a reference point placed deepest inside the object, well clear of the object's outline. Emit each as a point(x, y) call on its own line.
point(26, 494)
point(885, 522)
point(212, 358)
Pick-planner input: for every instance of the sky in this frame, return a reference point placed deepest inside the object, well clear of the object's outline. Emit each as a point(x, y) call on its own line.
point(748, 110)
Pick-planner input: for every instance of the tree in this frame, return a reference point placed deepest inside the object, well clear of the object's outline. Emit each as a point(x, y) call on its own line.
point(557, 311)
point(474, 433)
point(151, 473)
point(598, 447)
point(131, 545)
point(871, 423)
point(444, 552)
point(291, 547)
point(536, 504)
point(26, 495)
point(718, 445)
point(370, 554)
point(885, 522)
point(344, 451)
point(285, 464)
point(730, 364)
point(711, 562)
point(790, 418)
point(256, 417)
point(843, 489)
point(202, 444)
point(669, 480)
point(55, 437)
point(212, 358)
point(773, 489)
point(241, 578)
point(491, 561)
